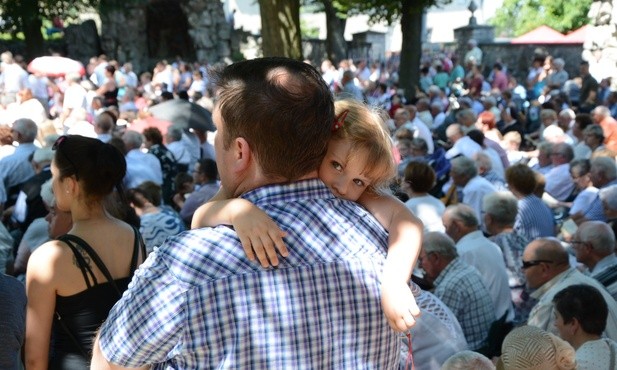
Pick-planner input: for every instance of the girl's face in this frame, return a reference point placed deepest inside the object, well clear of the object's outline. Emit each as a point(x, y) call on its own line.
point(58, 190)
point(343, 174)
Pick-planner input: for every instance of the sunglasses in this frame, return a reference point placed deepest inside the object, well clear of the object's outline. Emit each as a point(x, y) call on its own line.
point(56, 147)
point(528, 264)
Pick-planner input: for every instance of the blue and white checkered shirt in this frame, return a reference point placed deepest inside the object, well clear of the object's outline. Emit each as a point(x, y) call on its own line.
point(199, 303)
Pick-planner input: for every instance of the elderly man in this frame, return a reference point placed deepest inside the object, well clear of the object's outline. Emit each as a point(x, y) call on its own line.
point(459, 286)
point(464, 174)
point(205, 176)
point(461, 144)
point(534, 218)
point(558, 180)
point(474, 248)
point(199, 302)
point(140, 166)
point(500, 211)
point(602, 116)
point(547, 270)
point(608, 197)
point(15, 169)
point(594, 246)
point(403, 118)
point(603, 173)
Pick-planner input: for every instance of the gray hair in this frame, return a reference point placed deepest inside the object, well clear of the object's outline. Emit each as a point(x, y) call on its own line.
point(599, 235)
point(595, 130)
point(464, 166)
point(564, 149)
point(440, 243)
point(602, 111)
point(465, 214)
point(567, 113)
point(468, 360)
point(174, 133)
point(437, 105)
point(132, 139)
point(605, 165)
point(502, 207)
point(559, 62)
point(608, 196)
point(47, 193)
point(27, 129)
point(483, 161)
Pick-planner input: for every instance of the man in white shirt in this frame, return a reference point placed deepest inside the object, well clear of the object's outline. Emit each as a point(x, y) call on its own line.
point(463, 227)
point(464, 174)
point(403, 118)
point(594, 246)
point(140, 166)
point(462, 144)
point(559, 183)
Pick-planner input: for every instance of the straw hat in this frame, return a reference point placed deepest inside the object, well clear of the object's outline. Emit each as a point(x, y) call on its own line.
point(531, 348)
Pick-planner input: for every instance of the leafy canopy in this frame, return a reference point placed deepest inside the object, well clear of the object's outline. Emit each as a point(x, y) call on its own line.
point(517, 17)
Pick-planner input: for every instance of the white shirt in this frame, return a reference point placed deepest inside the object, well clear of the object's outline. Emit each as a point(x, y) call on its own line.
point(559, 183)
point(474, 192)
point(596, 354)
point(428, 209)
point(465, 146)
point(142, 167)
point(484, 255)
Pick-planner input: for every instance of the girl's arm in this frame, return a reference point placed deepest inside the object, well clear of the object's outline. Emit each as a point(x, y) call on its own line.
point(404, 242)
point(259, 234)
point(41, 293)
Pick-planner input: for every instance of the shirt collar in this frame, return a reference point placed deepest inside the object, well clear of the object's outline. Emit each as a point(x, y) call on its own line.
point(281, 193)
point(604, 263)
point(538, 293)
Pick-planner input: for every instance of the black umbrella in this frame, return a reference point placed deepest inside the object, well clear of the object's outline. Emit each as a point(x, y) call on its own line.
point(185, 114)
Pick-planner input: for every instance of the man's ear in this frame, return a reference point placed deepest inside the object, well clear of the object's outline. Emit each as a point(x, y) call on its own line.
point(243, 157)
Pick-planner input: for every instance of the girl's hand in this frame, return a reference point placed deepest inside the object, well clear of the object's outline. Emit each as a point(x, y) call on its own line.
point(399, 305)
point(259, 234)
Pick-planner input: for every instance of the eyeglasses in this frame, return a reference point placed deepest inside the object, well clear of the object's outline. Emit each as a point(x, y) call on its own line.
point(528, 264)
point(57, 146)
point(420, 258)
point(574, 242)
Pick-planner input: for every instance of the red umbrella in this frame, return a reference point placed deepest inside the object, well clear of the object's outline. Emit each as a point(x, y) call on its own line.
point(142, 124)
point(55, 66)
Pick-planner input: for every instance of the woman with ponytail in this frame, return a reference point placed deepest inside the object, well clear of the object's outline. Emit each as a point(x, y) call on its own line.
point(73, 282)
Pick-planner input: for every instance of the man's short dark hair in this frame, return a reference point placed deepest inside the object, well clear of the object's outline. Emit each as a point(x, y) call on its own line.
point(585, 304)
point(208, 168)
point(282, 108)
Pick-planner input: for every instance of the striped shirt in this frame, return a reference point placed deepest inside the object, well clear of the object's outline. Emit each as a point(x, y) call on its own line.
point(198, 302)
point(534, 218)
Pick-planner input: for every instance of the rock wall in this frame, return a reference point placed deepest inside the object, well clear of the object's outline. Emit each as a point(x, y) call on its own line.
point(124, 36)
point(208, 28)
point(600, 47)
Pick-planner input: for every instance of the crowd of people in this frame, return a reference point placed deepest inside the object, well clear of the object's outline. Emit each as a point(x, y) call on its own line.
point(322, 217)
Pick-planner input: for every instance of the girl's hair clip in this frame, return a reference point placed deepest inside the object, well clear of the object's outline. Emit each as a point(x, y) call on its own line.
point(339, 120)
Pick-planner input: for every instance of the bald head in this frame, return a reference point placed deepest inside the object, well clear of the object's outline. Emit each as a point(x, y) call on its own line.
point(549, 249)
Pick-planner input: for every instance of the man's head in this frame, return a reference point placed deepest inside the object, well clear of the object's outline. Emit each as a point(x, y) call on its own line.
point(462, 170)
point(584, 68)
point(543, 259)
point(580, 310)
point(593, 135)
point(599, 113)
point(562, 153)
point(205, 171)
point(608, 196)
point(132, 140)
point(521, 180)
point(274, 119)
point(466, 117)
point(500, 209)
point(454, 132)
point(593, 241)
point(603, 171)
point(401, 116)
point(565, 119)
point(460, 220)
point(24, 130)
point(438, 250)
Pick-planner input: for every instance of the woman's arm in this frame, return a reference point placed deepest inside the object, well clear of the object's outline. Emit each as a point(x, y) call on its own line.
point(41, 292)
point(259, 234)
point(404, 242)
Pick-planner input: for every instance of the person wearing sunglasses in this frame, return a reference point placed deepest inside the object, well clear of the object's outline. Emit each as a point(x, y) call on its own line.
point(547, 269)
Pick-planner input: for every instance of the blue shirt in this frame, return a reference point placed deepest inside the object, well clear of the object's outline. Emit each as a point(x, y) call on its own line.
point(15, 169)
point(198, 302)
point(534, 218)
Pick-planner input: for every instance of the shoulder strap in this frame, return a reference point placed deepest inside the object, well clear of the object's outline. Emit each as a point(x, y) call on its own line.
point(81, 261)
point(138, 245)
point(97, 260)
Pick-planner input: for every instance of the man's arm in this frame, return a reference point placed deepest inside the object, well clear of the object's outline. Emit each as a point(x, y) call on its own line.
point(100, 363)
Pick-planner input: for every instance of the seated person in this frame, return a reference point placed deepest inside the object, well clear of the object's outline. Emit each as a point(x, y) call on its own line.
point(580, 318)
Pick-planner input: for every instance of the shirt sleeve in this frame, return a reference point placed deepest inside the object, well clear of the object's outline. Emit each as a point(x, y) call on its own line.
point(146, 325)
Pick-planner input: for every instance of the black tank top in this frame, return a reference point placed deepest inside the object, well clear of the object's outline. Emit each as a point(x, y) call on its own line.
point(79, 316)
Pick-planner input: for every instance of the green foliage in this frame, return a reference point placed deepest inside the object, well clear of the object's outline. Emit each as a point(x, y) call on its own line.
point(308, 32)
point(517, 17)
point(387, 10)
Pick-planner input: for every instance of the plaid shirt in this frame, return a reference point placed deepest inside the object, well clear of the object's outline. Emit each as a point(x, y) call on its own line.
point(198, 302)
point(460, 287)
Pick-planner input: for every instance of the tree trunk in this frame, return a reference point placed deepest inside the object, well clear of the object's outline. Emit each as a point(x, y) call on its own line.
point(31, 26)
point(411, 29)
point(280, 28)
point(336, 46)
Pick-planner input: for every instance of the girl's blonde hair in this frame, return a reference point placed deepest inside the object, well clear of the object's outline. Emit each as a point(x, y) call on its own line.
point(365, 130)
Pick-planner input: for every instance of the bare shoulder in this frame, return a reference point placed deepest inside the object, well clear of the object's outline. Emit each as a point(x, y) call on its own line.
point(47, 259)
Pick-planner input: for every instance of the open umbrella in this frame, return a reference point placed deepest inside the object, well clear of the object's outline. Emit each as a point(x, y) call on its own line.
point(142, 124)
point(55, 66)
point(185, 114)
